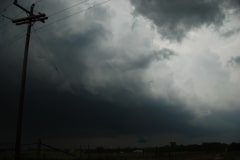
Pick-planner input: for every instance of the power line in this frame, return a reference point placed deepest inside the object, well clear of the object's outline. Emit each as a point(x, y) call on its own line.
point(54, 65)
point(65, 9)
point(41, 42)
point(63, 18)
point(9, 22)
point(13, 39)
point(5, 8)
point(60, 11)
point(38, 1)
point(7, 17)
point(21, 35)
point(47, 50)
point(17, 38)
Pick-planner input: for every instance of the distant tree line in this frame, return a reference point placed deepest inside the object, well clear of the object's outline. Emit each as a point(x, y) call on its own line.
point(205, 147)
point(173, 147)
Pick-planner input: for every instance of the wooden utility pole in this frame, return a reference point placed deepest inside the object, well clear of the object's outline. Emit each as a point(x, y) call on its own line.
point(30, 20)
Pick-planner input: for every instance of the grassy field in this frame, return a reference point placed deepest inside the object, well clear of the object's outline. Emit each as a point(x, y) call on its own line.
point(48, 155)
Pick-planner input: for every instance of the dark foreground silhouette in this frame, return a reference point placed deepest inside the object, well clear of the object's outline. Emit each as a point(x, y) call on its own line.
point(204, 151)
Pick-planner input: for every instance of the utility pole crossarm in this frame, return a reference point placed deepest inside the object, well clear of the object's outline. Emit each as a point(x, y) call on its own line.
point(21, 7)
point(29, 18)
point(35, 20)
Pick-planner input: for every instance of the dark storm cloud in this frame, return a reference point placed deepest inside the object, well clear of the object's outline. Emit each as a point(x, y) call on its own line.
point(234, 61)
point(115, 109)
point(51, 60)
point(49, 111)
point(90, 115)
point(120, 108)
point(233, 4)
point(176, 18)
point(79, 86)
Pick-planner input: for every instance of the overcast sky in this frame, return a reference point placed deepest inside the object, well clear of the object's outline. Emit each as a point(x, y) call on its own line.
point(123, 72)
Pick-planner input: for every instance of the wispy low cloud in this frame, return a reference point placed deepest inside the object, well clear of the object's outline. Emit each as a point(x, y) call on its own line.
point(234, 61)
point(231, 32)
point(165, 54)
point(143, 61)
